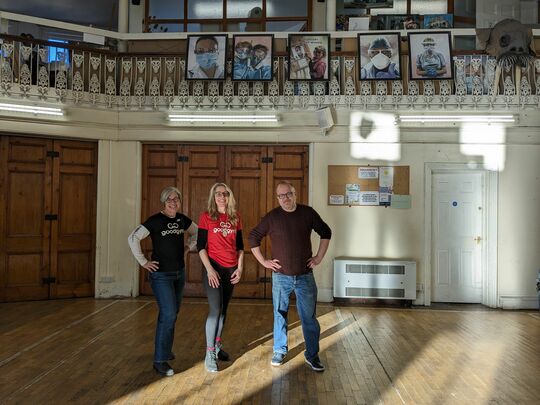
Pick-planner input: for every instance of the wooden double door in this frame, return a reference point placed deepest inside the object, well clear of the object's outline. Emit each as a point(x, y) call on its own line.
point(252, 172)
point(47, 218)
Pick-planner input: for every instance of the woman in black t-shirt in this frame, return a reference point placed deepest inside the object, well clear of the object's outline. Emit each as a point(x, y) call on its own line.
point(167, 275)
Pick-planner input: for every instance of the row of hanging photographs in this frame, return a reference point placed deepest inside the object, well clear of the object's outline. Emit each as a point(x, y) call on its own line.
point(308, 55)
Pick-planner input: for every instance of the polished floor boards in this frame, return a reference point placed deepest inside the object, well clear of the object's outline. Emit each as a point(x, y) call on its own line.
point(89, 351)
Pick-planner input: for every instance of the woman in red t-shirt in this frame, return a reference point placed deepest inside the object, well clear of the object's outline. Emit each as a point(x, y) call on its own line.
point(221, 249)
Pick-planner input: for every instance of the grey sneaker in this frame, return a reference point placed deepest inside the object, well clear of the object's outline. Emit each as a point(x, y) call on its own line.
point(277, 359)
point(164, 369)
point(210, 361)
point(222, 354)
point(315, 364)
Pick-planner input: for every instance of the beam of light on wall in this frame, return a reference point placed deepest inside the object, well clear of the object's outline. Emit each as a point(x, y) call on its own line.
point(374, 136)
point(486, 140)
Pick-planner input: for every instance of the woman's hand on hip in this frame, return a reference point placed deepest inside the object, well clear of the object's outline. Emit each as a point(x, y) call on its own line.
point(151, 266)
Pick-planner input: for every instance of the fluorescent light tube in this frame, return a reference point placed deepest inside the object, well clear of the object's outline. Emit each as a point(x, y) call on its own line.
point(221, 118)
point(457, 118)
point(32, 109)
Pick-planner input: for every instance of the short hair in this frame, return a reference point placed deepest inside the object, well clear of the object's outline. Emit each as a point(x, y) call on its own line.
point(167, 191)
point(260, 47)
point(320, 49)
point(286, 183)
point(243, 44)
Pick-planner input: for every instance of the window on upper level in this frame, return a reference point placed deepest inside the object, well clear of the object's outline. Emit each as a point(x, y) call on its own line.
point(58, 53)
point(227, 15)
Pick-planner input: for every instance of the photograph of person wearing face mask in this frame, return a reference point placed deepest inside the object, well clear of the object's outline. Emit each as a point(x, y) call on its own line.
point(430, 56)
point(206, 57)
point(379, 56)
point(252, 57)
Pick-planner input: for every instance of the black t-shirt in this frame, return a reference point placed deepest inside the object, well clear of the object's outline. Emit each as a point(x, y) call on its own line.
point(167, 236)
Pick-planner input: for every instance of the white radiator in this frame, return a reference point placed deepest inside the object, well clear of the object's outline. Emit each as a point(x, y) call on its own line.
point(361, 278)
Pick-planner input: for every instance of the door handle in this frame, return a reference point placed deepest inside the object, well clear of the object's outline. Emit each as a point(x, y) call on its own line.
point(478, 239)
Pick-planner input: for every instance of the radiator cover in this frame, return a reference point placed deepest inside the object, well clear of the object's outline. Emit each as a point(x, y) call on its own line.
point(366, 278)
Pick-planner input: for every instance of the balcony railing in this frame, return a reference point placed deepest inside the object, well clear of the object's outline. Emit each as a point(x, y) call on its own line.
point(54, 72)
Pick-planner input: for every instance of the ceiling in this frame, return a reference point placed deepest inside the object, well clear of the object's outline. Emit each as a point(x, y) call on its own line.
point(98, 13)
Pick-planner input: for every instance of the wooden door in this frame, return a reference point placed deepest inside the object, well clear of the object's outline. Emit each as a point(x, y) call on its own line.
point(247, 178)
point(203, 167)
point(73, 234)
point(47, 218)
point(252, 173)
point(25, 198)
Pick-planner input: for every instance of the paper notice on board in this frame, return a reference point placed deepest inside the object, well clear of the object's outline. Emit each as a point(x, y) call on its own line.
point(352, 193)
point(401, 201)
point(369, 198)
point(368, 172)
point(386, 185)
point(337, 199)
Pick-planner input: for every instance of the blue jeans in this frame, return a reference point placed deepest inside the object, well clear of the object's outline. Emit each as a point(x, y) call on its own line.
point(168, 287)
point(305, 289)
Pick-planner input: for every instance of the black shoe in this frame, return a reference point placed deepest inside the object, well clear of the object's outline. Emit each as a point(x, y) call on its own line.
point(222, 354)
point(315, 364)
point(164, 369)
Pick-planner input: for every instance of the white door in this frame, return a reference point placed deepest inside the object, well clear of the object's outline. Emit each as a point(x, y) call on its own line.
point(457, 239)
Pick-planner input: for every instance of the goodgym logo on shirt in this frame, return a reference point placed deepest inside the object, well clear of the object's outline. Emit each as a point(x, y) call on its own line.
point(225, 228)
point(174, 228)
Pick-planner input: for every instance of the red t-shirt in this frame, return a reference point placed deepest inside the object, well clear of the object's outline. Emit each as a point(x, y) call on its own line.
point(221, 245)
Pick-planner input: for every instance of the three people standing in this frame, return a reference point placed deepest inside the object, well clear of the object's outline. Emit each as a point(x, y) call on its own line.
point(220, 247)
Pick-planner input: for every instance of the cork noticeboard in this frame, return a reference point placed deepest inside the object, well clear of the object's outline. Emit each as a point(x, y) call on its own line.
point(366, 185)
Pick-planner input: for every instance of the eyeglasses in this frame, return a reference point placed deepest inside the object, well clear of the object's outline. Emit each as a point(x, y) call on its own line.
point(222, 194)
point(172, 200)
point(286, 195)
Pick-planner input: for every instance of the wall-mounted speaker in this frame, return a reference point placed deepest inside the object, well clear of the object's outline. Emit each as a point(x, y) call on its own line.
point(325, 118)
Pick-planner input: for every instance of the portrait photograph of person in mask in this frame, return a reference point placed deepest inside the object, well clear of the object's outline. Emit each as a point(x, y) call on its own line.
point(379, 56)
point(308, 56)
point(252, 58)
point(430, 55)
point(206, 57)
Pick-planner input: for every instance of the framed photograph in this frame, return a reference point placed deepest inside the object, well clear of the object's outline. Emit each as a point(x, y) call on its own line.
point(438, 21)
point(205, 57)
point(476, 72)
point(308, 56)
point(253, 56)
point(394, 22)
point(379, 56)
point(430, 55)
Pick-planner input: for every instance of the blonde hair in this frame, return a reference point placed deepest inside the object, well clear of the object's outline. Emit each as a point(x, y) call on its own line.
point(230, 210)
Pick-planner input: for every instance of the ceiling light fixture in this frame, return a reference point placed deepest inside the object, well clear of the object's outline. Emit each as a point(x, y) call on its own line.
point(32, 109)
point(457, 118)
point(221, 118)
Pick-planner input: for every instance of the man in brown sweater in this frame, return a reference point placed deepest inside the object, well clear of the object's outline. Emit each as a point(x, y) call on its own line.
point(289, 227)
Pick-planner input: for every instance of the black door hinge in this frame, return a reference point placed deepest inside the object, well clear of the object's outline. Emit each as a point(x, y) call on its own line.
point(49, 280)
point(265, 280)
point(53, 154)
point(183, 158)
point(267, 159)
point(51, 217)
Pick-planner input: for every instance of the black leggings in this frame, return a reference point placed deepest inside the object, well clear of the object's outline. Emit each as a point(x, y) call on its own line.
point(218, 301)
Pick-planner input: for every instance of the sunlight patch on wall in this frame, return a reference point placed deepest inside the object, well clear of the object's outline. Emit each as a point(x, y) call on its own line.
point(374, 136)
point(486, 140)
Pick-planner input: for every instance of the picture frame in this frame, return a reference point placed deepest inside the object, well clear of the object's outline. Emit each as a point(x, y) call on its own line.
point(253, 57)
point(368, 4)
point(438, 21)
point(308, 57)
point(210, 50)
point(379, 55)
point(430, 55)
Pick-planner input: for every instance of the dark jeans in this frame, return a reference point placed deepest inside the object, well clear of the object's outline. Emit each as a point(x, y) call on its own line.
point(305, 289)
point(218, 301)
point(168, 287)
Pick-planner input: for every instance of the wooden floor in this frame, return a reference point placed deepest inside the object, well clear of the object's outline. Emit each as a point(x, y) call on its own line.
point(100, 351)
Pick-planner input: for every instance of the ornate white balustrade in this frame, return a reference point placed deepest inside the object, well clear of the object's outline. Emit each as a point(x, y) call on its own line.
point(84, 77)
